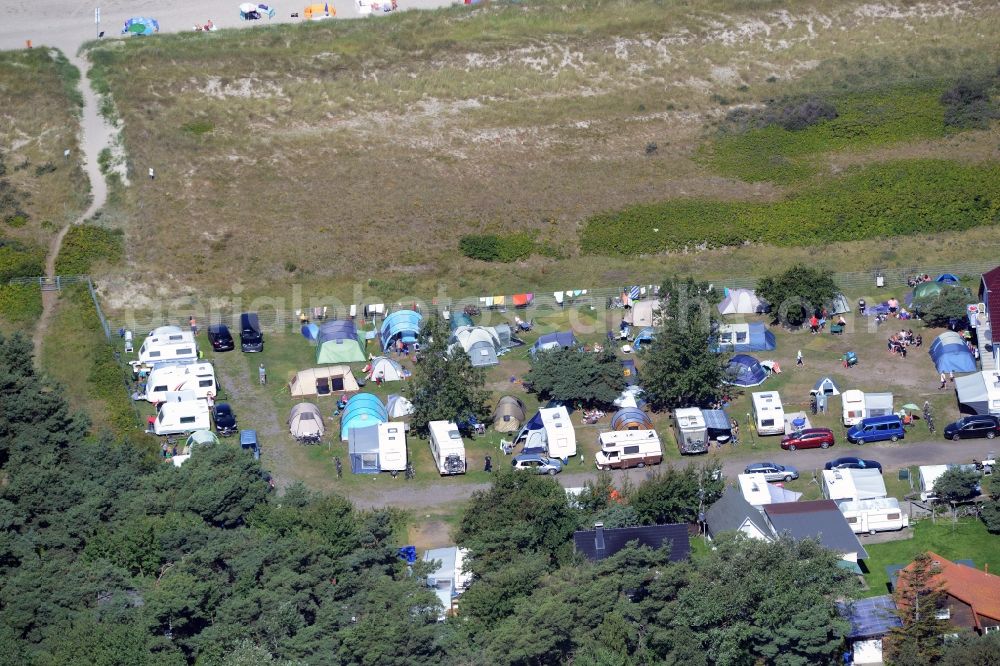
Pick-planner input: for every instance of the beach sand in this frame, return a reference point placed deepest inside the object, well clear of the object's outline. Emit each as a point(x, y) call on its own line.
point(67, 24)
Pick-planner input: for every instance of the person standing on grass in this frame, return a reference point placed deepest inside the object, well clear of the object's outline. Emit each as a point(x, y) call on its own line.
point(944, 382)
point(152, 174)
point(798, 358)
point(194, 325)
point(262, 374)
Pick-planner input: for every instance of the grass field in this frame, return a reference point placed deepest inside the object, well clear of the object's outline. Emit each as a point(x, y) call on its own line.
point(330, 154)
point(965, 540)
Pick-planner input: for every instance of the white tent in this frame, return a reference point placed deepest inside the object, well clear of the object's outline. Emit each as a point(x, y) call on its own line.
point(826, 386)
point(479, 342)
point(853, 484)
point(643, 313)
point(388, 369)
point(741, 301)
point(323, 381)
point(398, 406)
point(306, 420)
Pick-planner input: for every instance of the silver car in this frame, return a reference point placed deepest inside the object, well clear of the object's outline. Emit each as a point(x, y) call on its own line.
point(772, 471)
point(536, 463)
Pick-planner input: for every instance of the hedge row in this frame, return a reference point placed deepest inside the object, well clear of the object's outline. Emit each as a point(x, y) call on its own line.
point(85, 245)
point(877, 201)
point(493, 247)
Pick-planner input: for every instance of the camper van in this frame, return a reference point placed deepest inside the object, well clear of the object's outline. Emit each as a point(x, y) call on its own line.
point(692, 433)
point(853, 403)
point(874, 515)
point(447, 448)
point(168, 343)
point(182, 412)
point(621, 449)
point(196, 377)
point(251, 337)
point(768, 414)
point(876, 429)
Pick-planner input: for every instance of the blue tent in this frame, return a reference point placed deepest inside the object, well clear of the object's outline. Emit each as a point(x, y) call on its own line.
point(950, 353)
point(362, 410)
point(400, 325)
point(140, 25)
point(643, 338)
point(558, 340)
point(754, 336)
point(362, 450)
point(947, 278)
point(744, 370)
point(338, 342)
point(630, 372)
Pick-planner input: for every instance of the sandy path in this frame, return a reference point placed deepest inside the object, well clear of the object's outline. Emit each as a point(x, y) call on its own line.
point(95, 135)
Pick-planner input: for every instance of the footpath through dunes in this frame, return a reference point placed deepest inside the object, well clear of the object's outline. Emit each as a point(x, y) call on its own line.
point(95, 135)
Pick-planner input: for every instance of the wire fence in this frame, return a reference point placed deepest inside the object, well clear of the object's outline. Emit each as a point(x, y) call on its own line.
point(274, 318)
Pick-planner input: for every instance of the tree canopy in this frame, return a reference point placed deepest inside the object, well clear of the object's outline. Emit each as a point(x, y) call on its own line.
point(574, 376)
point(946, 306)
point(444, 386)
point(957, 485)
point(680, 370)
point(797, 293)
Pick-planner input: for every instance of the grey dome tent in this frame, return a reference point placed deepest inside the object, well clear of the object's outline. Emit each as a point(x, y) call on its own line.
point(305, 420)
point(509, 414)
point(479, 342)
point(825, 386)
point(631, 418)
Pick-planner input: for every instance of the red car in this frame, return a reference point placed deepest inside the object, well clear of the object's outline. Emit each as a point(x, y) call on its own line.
point(810, 438)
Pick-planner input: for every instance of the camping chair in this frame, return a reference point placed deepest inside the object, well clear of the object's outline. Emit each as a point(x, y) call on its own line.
point(850, 359)
point(836, 329)
point(323, 386)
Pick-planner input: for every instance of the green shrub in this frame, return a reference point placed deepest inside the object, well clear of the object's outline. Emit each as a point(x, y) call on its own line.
point(20, 303)
point(85, 244)
point(878, 201)
point(18, 259)
point(198, 127)
point(491, 247)
point(968, 105)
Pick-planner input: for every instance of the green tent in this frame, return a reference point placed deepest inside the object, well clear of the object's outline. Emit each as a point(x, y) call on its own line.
point(340, 342)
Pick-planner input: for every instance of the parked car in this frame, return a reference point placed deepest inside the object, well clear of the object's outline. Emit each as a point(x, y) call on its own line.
point(810, 438)
point(772, 471)
point(850, 462)
point(248, 442)
point(973, 426)
point(251, 336)
point(221, 339)
point(540, 464)
point(876, 429)
point(225, 419)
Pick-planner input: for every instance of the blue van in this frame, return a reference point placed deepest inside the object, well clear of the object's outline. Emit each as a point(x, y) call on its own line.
point(876, 429)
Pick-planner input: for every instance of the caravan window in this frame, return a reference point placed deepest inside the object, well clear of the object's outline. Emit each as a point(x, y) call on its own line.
point(159, 389)
point(206, 383)
point(892, 516)
point(852, 520)
point(630, 449)
point(767, 423)
point(186, 351)
point(187, 419)
point(154, 354)
point(159, 417)
point(175, 337)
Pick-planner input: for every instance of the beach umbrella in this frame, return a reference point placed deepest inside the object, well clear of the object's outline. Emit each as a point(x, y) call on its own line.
point(248, 7)
point(910, 406)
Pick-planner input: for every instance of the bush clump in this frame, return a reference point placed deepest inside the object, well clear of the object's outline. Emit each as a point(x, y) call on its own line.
point(968, 105)
point(85, 245)
point(792, 114)
point(496, 248)
point(20, 303)
point(18, 259)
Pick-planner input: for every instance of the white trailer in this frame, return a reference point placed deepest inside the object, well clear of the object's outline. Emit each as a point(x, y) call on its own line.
point(768, 413)
point(874, 515)
point(196, 377)
point(853, 484)
point(182, 413)
point(447, 448)
point(853, 403)
point(168, 343)
point(559, 434)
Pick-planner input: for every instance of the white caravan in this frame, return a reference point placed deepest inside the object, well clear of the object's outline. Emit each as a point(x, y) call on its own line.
point(853, 403)
point(182, 412)
point(168, 343)
point(621, 449)
point(874, 515)
point(197, 377)
point(447, 448)
point(768, 414)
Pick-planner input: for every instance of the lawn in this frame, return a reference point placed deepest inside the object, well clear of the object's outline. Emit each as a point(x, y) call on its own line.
point(356, 154)
point(965, 540)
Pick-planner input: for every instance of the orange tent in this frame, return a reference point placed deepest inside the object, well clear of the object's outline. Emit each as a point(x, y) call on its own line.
point(318, 11)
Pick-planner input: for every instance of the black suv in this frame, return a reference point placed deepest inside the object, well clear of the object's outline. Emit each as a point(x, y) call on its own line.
point(221, 339)
point(251, 337)
point(973, 426)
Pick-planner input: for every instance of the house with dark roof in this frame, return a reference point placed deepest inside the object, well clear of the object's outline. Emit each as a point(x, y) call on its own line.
point(871, 619)
point(972, 597)
point(599, 543)
point(732, 513)
point(820, 520)
point(988, 322)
